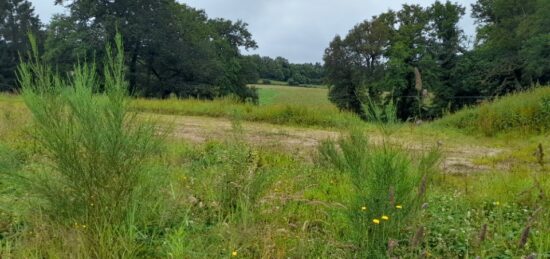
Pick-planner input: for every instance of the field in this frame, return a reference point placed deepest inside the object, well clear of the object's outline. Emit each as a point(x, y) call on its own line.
point(287, 179)
point(276, 94)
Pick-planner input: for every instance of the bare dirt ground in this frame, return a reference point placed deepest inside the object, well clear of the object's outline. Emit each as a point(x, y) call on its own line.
point(302, 142)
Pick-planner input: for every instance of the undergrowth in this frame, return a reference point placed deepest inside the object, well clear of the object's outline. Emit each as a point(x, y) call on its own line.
point(527, 112)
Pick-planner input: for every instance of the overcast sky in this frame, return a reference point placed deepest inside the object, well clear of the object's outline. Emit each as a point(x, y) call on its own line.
point(298, 30)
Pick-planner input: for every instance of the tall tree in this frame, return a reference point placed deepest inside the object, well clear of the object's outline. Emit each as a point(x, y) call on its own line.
point(345, 90)
point(408, 61)
point(445, 44)
point(354, 65)
point(410, 57)
point(17, 19)
point(513, 39)
point(171, 48)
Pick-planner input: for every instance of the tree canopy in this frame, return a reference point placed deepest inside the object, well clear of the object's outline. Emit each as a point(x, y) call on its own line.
point(417, 57)
point(17, 19)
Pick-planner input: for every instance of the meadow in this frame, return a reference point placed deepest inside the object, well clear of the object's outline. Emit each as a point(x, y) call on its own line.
point(293, 95)
point(83, 176)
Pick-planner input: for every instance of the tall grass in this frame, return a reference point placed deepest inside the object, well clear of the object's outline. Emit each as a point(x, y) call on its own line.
point(527, 112)
point(92, 191)
point(224, 203)
point(286, 114)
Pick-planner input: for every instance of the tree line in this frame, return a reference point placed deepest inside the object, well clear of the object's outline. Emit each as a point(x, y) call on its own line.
point(280, 69)
point(418, 59)
point(171, 48)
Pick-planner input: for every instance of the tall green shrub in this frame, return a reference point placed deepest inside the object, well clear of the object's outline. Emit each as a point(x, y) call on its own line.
point(389, 183)
point(93, 182)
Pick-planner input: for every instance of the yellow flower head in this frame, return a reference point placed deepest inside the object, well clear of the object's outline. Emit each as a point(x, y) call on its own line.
point(376, 221)
point(398, 207)
point(363, 208)
point(496, 203)
point(385, 217)
point(234, 253)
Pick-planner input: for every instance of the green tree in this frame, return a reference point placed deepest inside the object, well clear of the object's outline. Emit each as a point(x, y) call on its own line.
point(17, 19)
point(170, 47)
point(345, 90)
point(513, 40)
point(445, 43)
point(406, 54)
point(354, 66)
point(409, 57)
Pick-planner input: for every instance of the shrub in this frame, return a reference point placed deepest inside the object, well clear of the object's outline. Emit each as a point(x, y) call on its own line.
point(293, 82)
point(266, 81)
point(388, 187)
point(92, 191)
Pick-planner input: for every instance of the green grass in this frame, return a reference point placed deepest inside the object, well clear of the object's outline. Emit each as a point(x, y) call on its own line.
point(311, 97)
point(524, 113)
point(285, 114)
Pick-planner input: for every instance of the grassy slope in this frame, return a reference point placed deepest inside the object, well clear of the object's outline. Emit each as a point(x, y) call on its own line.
point(527, 112)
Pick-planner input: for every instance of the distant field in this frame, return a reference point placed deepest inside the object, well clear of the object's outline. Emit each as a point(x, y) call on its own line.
point(276, 94)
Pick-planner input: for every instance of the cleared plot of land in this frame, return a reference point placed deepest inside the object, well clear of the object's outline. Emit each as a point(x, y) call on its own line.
point(277, 94)
point(458, 158)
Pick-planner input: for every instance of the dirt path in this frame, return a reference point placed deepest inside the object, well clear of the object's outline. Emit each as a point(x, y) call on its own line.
point(303, 141)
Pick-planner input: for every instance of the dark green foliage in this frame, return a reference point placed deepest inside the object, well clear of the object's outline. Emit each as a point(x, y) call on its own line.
point(354, 64)
point(280, 69)
point(513, 40)
point(423, 65)
point(408, 56)
point(170, 47)
point(17, 18)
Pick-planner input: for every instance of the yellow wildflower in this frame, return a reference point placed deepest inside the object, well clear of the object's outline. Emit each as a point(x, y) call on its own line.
point(496, 203)
point(363, 208)
point(376, 221)
point(385, 217)
point(398, 207)
point(234, 253)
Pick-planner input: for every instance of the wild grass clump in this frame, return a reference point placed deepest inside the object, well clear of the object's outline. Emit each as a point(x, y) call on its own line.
point(225, 183)
point(527, 112)
point(90, 189)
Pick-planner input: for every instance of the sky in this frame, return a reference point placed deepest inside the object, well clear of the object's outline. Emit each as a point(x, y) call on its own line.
point(298, 30)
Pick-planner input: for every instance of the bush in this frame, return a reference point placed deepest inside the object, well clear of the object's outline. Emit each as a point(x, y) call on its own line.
point(293, 82)
point(266, 81)
point(388, 188)
point(93, 190)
